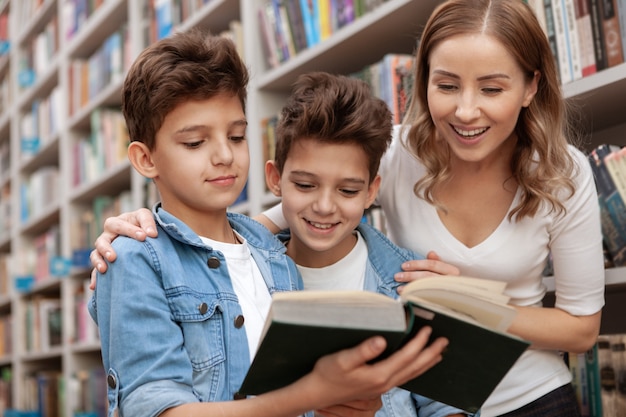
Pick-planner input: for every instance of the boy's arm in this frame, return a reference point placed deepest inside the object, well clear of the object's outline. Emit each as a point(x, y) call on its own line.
point(273, 218)
point(139, 224)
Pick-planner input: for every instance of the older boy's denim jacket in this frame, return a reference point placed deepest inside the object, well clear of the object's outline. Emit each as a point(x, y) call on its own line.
point(170, 320)
point(384, 260)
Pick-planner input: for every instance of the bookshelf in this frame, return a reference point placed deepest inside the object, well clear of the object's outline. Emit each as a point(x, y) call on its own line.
point(42, 84)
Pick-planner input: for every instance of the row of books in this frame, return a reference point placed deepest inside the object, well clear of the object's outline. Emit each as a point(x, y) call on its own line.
point(5, 159)
point(35, 58)
point(89, 76)
point(164, 16)
point(5, 41)
point(85, 330)
point(608, 163)
point(390, 79)
point(46, 393)
point(599, 377)
point(6, 399)
point(87, 224)
point(586, 36)
point(6, 338)
point(42, 324)
point(41, 124)
point(290, 26)
point(5, 88)
point(76, 13)
point(5, 211)
point(39, 192)
point(4, 274)
point(103, 149)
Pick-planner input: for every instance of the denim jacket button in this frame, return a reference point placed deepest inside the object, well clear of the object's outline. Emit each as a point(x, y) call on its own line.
point(111, 381)
point(239, 321)
point(213, 262)
point(203, 308)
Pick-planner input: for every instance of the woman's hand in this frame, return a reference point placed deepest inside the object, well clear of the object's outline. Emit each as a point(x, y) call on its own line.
point(422, 268)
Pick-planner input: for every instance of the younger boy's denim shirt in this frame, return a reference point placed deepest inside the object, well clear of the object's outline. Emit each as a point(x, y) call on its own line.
point(171, 325)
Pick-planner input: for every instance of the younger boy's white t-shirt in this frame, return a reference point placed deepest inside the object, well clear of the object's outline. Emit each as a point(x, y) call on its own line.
point(346, 274)
point(249, 285)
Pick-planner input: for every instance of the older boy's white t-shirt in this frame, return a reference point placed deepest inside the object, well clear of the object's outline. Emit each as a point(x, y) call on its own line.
point(249, 285)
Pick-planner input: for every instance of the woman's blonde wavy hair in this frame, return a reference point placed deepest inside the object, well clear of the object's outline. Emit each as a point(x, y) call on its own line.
point(541, 163)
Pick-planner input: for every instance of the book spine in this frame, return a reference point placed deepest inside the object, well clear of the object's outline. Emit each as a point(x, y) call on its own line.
point(551, 33)
point(281, 37)
point(585, 32)
point(294, 14)
point(594, 385)
point(598, 34)
point(621, 12)
point(269, 41)
point(612, 33)
point(285, 26)
point(560, 30)
point(307, 20)
point(325, 20)
point(573, 39)
point(607, 376)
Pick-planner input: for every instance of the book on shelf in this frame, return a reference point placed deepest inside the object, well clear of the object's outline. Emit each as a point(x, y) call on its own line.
point(578, 369)
point(472, 313)
point(612, 206)
point(621, 12)
point(612, 32)
point(597, 31)
point(601, 385)
point(584, 27)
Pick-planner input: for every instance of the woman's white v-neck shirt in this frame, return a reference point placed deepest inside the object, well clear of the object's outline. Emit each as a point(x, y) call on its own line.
point(514, 253)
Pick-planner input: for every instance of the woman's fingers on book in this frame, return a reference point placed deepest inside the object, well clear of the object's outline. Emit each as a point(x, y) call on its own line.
point(420, 268)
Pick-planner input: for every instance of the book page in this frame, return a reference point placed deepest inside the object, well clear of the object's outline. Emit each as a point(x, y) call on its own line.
point(490, 315)
point(480, 300)
point(485, 289)
point(340, 309)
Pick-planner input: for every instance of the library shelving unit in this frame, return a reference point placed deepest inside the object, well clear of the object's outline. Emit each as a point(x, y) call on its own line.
point(63, 167)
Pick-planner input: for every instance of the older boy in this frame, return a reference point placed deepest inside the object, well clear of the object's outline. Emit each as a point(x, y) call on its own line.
point(180, 314)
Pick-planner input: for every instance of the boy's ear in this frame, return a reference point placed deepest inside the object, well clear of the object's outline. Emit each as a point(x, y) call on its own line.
point(372, 191)
point(141, 159)
point(272, 178)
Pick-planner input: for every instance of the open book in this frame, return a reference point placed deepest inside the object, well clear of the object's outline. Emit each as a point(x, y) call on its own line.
point(472, 313)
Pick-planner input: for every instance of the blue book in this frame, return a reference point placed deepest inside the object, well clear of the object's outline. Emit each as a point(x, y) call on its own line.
point(307, 19)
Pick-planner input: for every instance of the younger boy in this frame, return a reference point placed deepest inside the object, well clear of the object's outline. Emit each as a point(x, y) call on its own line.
point(331, 136)
point(180, 315)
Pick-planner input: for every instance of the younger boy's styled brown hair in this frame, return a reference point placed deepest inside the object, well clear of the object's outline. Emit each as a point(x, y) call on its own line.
point(334, 109)
point(186, 66)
